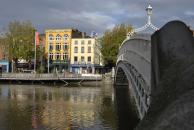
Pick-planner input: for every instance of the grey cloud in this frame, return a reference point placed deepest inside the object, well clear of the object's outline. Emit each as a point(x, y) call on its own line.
point(93, 15)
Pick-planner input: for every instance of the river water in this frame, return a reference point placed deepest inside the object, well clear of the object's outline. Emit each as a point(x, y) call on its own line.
point(28, 107)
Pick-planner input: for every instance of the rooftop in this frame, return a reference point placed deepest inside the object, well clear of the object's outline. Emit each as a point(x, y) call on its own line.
point(61, 29)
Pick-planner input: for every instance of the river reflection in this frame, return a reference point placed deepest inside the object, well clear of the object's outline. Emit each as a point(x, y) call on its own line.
point(24, 107)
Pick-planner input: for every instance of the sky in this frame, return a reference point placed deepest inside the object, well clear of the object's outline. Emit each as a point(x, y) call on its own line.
point(94, 15)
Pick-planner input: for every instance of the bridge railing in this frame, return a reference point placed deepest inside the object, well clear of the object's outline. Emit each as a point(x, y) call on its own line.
point(145, 36)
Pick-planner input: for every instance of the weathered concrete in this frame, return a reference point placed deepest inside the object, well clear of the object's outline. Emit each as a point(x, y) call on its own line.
point(172, 80)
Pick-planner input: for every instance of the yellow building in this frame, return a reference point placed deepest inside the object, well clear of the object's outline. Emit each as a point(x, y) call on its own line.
point(58, 43)
point(85, 56)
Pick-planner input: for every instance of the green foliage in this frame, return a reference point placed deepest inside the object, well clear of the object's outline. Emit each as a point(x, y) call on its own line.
point(20, 37)
point(4, 47)
point(111, 41)
point(40, 56)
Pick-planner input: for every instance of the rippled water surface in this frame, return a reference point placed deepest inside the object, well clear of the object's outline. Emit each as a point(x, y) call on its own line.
point(27, 107)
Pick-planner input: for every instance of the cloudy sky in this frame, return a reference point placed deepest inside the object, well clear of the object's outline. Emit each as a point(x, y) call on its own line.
point(94, 15)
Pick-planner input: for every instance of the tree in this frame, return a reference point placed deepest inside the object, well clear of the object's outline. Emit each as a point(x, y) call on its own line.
point(4, 47)
point(111, 41)
point(41, 57)
point(20, 37)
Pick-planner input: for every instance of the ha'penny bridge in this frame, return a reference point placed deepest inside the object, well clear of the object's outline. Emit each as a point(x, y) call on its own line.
point(157, 71)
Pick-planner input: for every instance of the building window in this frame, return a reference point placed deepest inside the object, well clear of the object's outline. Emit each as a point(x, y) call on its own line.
point(66, 37)
point(51, 37)
point(75, 49)
point(4, 57)
point(89, 59)
point(89, 49)
point(82, 49)
point(65, 56)
point(82, 42)
point(76, 42)
point(82, 59)
point(65, 46)
point(50, 47)
point(89, 42)
point(57, 56)
point(58, 37)
point(58, 46)
point(51, 56)
point(75, 59)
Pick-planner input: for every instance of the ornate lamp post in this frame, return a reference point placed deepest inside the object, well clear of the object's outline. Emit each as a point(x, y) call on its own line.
point(149, 13)
point(147, 25)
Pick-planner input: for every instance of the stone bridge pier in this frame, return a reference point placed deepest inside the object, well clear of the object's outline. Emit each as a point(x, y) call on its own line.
point(158, 74)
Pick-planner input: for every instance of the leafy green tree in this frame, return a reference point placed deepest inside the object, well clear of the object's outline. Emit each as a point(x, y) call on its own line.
point(40, 54)
point(4, 47)
point(20, 37)
point(111, 41)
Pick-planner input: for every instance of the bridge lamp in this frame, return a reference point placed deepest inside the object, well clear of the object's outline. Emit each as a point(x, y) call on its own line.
point(149, 10)
point(149, 13)
point(148, 24)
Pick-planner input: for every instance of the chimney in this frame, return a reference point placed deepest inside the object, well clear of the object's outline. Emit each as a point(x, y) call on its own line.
point(83, 34)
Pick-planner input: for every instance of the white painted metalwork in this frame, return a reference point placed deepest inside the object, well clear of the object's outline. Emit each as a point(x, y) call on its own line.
point(120, 58)
point(137, 88)
point(147, 25)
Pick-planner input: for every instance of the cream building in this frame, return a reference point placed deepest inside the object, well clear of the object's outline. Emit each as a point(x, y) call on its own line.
point(85, 56)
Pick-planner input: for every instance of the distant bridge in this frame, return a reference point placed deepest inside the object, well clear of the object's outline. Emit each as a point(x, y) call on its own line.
point(157, 71)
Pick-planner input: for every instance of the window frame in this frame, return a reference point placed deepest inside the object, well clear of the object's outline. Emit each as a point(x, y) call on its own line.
point(82, 49)
point(65, 56)
point(58, 47)
point(50, 37)
point(51, 56)
point(90, 59)
point(57, 56)
point(82, 59)
point(76, 50)
point(65, 37)
point(89, 42)
point(75, 61)
point(76, 42)
point(65, 46)
point(82, 42)
point(90, 51)
point(58, 37)
point(51, 47)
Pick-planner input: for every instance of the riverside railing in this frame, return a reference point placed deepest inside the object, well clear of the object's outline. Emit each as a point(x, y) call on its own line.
point(49, 76)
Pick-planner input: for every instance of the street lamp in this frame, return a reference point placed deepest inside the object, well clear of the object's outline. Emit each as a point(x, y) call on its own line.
point(149, 10)
point(149, 13)
point(147, 25)
point(48, 58)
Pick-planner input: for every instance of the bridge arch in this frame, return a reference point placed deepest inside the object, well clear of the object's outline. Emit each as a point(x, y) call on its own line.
point(127, 76)
point(134, 71)
point(125, 100)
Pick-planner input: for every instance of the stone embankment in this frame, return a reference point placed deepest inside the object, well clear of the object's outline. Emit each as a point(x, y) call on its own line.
point(172, 106)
